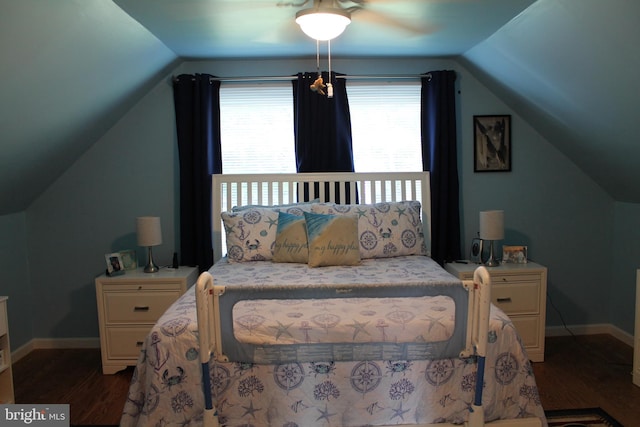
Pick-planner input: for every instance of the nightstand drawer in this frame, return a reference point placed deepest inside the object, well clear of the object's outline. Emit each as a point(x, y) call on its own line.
point(3, 315)
point(146, 286)
point(125, 343)
point(528, 328)
point(521, 298)
point(140, 307)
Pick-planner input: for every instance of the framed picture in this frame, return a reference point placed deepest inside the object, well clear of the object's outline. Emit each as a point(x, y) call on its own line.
point(115, 265)
point(492, 143)
point(514, 254)
point(129, 259)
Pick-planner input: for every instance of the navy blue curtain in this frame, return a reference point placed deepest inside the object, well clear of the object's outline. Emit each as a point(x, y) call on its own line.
point(439, 157)
point(197, 107)
point(322, 126)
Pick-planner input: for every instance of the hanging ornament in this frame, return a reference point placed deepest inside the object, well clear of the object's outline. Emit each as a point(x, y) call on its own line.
point(318, 85)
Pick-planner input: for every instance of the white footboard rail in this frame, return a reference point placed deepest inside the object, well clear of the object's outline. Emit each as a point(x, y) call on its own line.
point(208, 340)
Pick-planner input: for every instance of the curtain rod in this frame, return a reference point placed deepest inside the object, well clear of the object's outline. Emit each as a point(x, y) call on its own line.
point(281, 78)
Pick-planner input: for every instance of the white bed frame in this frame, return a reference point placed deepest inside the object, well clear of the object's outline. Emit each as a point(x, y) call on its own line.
point(274, 189)
point(277, 189)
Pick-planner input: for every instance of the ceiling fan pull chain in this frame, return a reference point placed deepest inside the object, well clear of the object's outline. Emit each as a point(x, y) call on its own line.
point(329, 85)
point(318, 58)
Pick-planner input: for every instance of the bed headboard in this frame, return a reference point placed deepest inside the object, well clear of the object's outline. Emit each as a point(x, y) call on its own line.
point(276, 189)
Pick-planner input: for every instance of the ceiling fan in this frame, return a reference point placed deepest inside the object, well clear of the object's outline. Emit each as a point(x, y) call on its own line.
point(327, 19)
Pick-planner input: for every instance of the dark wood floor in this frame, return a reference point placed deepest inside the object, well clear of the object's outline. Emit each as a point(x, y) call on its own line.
point(579, 372)
point(589, 371)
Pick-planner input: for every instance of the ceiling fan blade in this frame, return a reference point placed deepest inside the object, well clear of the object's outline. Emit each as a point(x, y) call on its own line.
point(367, 14)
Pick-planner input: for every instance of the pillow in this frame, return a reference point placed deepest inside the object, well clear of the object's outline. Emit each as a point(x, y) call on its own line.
point(294, 208)
point(251, 233)
point(333, 239)
point(291, 239)
point(386, 229)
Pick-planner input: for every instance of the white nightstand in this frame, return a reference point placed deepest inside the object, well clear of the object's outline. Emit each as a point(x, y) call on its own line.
point(520, 290)
point(6, 375)
point(129, 305)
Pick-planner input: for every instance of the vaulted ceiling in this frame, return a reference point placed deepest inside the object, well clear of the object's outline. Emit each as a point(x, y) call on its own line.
point(71, 68)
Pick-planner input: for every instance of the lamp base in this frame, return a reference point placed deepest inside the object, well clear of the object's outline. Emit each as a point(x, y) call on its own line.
point(491, 262)
point(151, 266)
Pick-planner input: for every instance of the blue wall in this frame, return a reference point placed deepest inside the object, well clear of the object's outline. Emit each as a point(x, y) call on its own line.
point(625, 254)
point(57, 247)
point(14, 276)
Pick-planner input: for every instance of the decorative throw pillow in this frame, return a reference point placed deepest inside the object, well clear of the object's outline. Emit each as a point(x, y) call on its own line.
point(291, 239)
point(251, 233)
point(386, 229)
point(333, 239)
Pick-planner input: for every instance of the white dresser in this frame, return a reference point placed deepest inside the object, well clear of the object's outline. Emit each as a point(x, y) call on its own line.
point(129, 305)
point(6, 374)
point(520, 290)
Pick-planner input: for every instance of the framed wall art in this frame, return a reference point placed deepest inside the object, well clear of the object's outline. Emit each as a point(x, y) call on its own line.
point(492, 143)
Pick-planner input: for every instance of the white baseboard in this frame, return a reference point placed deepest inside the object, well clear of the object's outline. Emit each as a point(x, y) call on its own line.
point(551, 331)
point(48, 343)
point(601, 328)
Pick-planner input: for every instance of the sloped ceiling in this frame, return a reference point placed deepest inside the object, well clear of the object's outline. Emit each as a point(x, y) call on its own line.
point(71, 68)
point(569, 68)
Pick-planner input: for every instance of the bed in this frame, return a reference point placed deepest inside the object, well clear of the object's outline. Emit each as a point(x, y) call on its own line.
point(381, 340)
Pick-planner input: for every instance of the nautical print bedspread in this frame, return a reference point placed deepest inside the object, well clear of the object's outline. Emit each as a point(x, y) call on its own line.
point(166, 388)
point(344, 320)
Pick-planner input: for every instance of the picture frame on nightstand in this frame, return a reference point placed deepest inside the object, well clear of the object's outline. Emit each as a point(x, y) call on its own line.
point(129, 259)
point(115, 265)
point(514, 254)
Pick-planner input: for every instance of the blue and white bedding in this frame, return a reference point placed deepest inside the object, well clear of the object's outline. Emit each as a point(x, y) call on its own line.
point(373, 299)
point(376, 389)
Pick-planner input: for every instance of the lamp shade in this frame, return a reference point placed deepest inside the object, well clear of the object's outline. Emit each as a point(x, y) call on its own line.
point(148, 231)
point(492, 225)
point(323, 23)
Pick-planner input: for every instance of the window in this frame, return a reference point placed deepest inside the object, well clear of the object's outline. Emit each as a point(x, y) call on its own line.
point(257, 127)
point(385, 126)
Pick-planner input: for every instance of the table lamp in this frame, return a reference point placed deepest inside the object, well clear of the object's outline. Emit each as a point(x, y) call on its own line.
point(149, 235)
point(491, 228)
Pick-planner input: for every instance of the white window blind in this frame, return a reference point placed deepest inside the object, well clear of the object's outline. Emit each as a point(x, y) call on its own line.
point(385, 126)
point(256, 128)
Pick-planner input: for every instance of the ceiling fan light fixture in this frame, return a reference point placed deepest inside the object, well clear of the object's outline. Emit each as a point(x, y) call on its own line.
point(323, 23)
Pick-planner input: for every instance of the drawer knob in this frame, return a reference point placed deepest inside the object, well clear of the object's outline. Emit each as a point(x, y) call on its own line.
point(139, 343)
point(502, 300)
point(141, 308)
